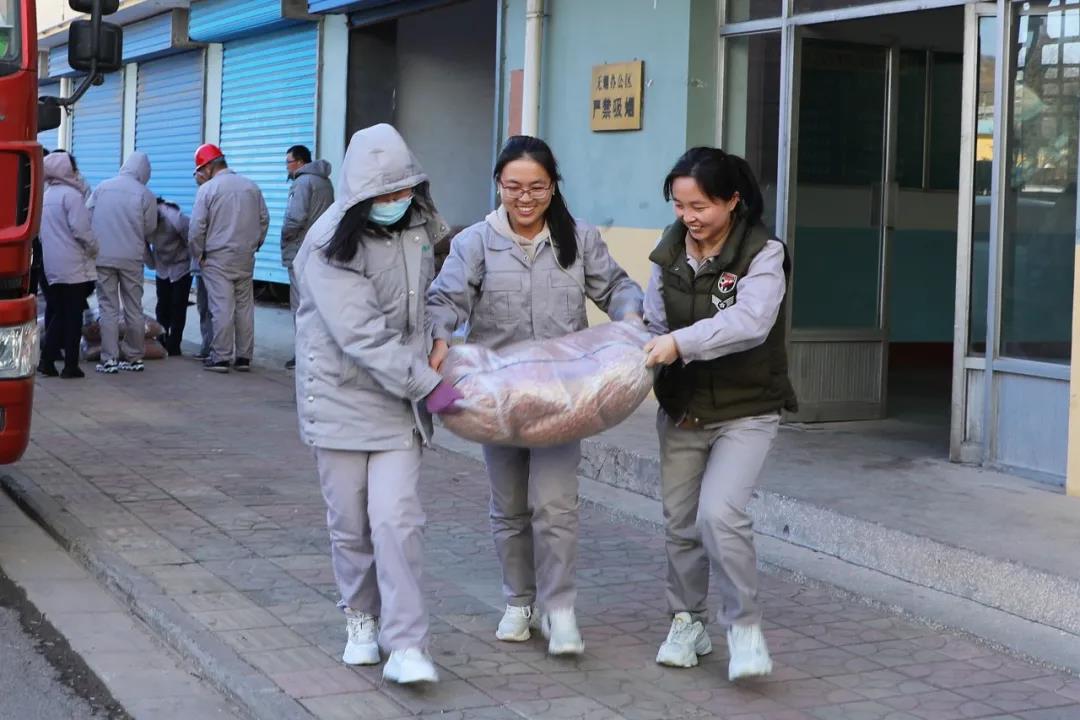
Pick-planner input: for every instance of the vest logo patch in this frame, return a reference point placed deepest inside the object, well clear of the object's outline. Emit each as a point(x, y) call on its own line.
point(726, 283)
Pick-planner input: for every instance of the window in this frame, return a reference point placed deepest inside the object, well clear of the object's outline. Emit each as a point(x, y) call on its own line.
point(1039, 233)
point(752, 108)
point(9, 37)
point(743, 10)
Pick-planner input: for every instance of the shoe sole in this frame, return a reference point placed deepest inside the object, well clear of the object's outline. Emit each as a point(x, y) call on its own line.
point(242, 369)
point(520, 637)
point(746, 673)
point(576, 649)
point(221, 371)
point(365, 655)
point(109, 371)
point(411, 679)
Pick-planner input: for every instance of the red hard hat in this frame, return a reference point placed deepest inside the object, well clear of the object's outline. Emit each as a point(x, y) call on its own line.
point(206, 153)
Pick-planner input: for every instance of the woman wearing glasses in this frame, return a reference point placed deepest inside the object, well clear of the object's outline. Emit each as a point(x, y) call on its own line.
point(524, 274)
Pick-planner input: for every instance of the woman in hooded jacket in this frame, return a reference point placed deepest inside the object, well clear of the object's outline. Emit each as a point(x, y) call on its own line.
point(525, 273)
point(365, 392)
point(68, 250)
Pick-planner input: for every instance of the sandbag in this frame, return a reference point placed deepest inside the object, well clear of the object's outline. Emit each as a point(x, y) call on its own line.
point(541, 393)
point(152, 350)
point(91, 351)
point(91, 331)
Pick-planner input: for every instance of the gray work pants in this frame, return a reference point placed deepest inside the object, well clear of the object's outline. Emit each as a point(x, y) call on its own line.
point(534, 521)
point(706, 479)
point(121, 290)
point(376, 538)
point(294, 293)
point(232, 313)
point(206, 327)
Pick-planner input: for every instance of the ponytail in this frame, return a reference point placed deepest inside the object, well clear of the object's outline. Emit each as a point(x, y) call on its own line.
point(720, 175)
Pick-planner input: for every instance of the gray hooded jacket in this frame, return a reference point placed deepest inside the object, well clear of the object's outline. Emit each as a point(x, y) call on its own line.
point(172, 260)
point(311, 193)
point(489, 280)
point(228, 223)
point(68, 246)
point(124, 214)
point(362, 337)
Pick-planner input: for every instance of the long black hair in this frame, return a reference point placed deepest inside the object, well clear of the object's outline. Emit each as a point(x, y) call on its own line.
point(355, 224)
point(720, 175)
point(559, 220)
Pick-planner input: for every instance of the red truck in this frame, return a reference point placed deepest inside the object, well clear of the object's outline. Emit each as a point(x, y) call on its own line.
point(94, 47)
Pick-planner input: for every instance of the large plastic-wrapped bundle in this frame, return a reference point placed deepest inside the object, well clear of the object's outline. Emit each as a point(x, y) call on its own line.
point(546, 392)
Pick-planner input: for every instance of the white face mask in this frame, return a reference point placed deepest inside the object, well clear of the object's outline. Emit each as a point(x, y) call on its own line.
point(388, 213)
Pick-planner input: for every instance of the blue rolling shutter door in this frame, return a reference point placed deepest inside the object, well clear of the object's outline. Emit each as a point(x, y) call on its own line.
point(96, 129)
point(268, 90)
point(168, 123)
point(49, 138)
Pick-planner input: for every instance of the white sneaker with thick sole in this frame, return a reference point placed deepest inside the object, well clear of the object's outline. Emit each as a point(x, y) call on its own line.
point(410, 666)
point(749, 653)
point(561, 630)
point(686, 640)
point(362, 647)
point(516, 624)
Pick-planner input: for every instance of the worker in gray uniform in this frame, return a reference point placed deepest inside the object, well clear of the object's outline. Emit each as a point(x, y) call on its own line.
point(525, 273)
point(311, 193)
point(228, 226)
point(364, 393)
point(715, 306)
point(124, 215)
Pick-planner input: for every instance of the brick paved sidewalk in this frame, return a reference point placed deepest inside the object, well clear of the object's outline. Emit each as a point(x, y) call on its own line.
point(200, 481)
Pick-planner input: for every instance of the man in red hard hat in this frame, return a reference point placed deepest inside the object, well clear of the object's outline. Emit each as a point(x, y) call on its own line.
point(228, 226)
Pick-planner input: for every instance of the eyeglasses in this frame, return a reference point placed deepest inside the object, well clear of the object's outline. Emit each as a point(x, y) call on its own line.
point(515, 192)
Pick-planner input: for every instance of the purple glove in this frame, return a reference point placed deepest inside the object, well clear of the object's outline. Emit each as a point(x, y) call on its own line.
point(443, 399)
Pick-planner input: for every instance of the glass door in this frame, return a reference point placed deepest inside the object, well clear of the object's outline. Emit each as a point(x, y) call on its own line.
point(844, 197)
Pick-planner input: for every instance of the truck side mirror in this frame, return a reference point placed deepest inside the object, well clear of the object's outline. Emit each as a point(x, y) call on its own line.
point(108, 7)
point(110, 46)
point(48, 113)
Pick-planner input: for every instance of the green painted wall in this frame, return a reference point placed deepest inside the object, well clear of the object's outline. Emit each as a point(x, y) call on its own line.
point(613, 178)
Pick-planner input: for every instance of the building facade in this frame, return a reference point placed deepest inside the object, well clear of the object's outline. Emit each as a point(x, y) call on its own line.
point(919, 157)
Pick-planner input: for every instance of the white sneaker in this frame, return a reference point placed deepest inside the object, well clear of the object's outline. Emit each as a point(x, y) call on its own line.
point(686, 640)
point(516, 623)
point(749, 653)
point(561, 630)
point(410, 666)
point(109, 367)
point(362, 647)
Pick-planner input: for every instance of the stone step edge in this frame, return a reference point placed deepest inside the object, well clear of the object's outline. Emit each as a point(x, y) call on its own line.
point(1030, 593)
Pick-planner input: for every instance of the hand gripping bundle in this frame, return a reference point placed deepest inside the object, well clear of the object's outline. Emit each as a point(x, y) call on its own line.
point(547, 392)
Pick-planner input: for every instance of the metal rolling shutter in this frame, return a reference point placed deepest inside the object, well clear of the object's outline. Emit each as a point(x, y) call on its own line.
point(169, 121)
point(97, 126)
point(267, 105)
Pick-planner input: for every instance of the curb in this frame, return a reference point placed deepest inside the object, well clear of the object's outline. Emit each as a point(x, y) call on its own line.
point(218, 663)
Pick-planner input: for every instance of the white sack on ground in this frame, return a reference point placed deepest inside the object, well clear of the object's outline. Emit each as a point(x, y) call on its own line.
point(546, 392)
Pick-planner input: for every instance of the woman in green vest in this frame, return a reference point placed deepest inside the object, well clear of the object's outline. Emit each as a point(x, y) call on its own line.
point(715, 306)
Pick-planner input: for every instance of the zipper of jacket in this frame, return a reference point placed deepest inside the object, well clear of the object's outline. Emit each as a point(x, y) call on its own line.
point(424, 438)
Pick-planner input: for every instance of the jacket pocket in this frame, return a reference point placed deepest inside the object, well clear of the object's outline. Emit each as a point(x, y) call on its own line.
point(567, 295)
point(500, 292)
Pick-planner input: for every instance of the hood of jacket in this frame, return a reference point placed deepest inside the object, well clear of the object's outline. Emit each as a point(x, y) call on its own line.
point(319, 168)
point(58, 170)
point(377, 162)
point(137, 166)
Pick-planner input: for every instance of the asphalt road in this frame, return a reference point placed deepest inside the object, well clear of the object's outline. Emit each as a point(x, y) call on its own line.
point(41, 677)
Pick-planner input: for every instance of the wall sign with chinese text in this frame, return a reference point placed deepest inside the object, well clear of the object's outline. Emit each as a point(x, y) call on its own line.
point(617, 91)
